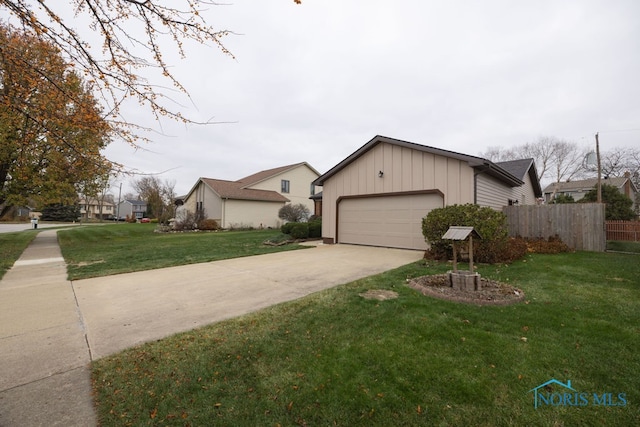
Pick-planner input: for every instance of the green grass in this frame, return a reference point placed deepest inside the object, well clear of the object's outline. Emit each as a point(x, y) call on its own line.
point(621, 246)
point(334, 358)
point(122, 248)
point(11, 247)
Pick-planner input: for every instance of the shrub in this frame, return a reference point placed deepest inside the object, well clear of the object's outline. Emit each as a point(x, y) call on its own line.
point(490, 224)
point(208, 225)
point(553, 245)
point(617, 205)
point(516, 249)
point(60, 212)
point(187, 220)
point(563, 198)
point(294, 213)
point(299, 230)
point(240, 226)
point(315, 228)
point(286, 227)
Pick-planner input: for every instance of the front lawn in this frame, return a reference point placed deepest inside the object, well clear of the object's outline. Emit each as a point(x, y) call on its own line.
point(334, 358)
point(622, 246)
point(11, 247)
point(122, 248)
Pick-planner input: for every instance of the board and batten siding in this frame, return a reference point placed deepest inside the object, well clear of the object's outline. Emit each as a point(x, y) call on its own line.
point(404, 169)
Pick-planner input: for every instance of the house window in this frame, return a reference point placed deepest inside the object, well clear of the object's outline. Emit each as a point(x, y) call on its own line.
point(313, 189)
point(284, 184)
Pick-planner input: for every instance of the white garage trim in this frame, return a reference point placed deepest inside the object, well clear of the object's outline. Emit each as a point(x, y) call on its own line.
point(388, 219)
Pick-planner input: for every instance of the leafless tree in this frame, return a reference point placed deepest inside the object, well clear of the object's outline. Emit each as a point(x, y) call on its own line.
point(617, 161)
point(556, 159)
point(159, 196)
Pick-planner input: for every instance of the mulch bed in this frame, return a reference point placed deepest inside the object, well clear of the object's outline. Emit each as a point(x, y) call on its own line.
point(492, 292)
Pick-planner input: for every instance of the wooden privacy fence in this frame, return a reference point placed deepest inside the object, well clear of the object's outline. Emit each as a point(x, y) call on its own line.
point(580, 225)
point(623, 230)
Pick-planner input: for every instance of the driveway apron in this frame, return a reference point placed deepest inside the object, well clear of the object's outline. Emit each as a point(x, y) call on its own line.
point(51, 328)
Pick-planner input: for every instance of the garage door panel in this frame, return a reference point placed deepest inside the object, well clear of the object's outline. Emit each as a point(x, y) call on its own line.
point(393, 221)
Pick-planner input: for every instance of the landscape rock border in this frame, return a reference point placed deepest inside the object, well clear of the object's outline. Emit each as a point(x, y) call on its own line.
point(492, 292)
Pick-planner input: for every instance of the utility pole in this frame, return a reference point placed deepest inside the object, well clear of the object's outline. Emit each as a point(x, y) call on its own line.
point(118, 205)
point(599, 191)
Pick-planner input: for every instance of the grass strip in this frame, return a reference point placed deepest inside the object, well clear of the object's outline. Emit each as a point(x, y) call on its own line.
point(122, 248)
point(623, 246)
point(11, 247)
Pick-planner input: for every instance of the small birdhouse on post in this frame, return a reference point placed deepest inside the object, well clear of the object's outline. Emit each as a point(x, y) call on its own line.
point(463, 280)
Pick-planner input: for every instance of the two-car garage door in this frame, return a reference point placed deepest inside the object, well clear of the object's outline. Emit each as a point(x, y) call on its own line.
point(390, 220)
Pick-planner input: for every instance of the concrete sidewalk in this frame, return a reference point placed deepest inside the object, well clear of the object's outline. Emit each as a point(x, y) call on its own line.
point(50, 328)
point(44, 356)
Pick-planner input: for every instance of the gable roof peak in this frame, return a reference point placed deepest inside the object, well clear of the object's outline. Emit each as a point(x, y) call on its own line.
point(269, 173)
point(485, 165)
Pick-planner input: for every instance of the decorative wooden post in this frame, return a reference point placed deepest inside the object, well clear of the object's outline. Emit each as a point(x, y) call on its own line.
point(471, 252)
point(455, 256)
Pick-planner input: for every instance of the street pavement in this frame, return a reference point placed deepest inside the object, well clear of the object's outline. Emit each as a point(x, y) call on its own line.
point(51, 328)
point(12, 227)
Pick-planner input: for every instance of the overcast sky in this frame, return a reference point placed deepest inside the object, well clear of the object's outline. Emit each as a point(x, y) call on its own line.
point(316, 81)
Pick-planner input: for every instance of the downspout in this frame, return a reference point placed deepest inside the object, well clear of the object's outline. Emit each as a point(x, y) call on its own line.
point(224, 212)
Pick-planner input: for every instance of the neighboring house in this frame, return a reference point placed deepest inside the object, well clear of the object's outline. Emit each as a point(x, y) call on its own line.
point(379, 194)
point(252, 201)
point(90, 209)
point(132, 209)
point(578, 189)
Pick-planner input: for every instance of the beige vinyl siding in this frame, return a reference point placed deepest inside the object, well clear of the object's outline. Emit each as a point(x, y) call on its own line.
point(236, 213)
point(525, 194)
point(495, 194)
point(211, 201)
point(404, 169)
point(491, 192)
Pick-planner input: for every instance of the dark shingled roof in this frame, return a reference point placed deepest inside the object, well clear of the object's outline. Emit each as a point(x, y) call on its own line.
point(520, 169)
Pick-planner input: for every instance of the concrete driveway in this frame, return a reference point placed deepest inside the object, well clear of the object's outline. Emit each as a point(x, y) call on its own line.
point(124, 310)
